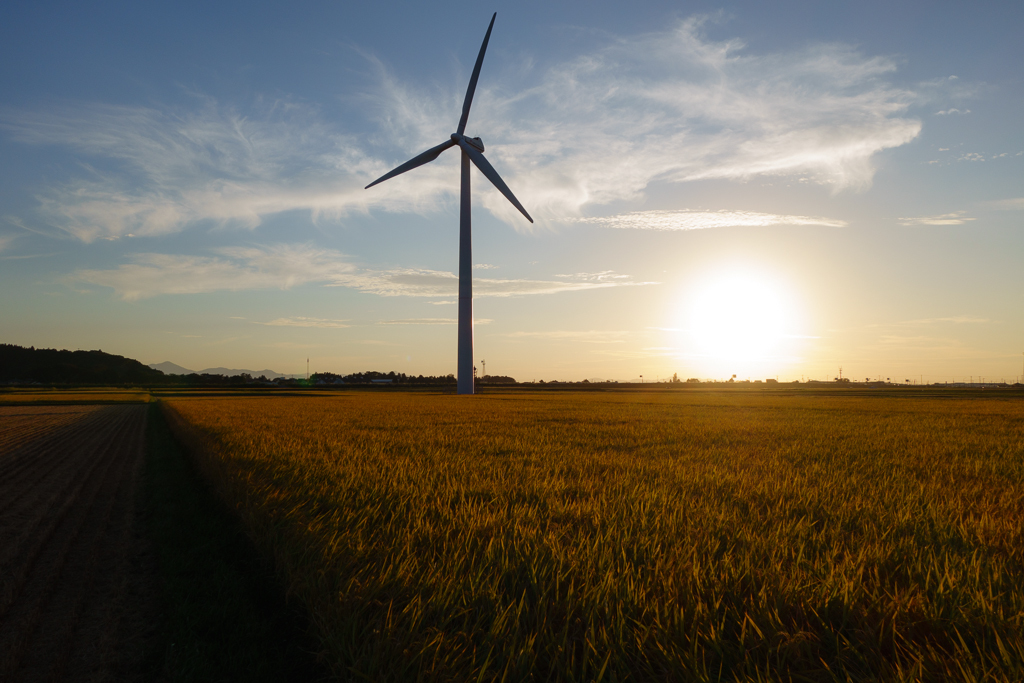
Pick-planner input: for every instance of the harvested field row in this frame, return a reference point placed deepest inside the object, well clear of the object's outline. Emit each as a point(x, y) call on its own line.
point(67, 506)
point(21, 424)
point(59, 397)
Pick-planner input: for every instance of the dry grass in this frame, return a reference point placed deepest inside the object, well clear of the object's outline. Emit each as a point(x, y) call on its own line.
point(62, 396)
point(651, 537)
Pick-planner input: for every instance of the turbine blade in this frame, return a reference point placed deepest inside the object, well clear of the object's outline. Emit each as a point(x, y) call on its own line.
point(418, 160)
point(492, 175)
point(472, 81)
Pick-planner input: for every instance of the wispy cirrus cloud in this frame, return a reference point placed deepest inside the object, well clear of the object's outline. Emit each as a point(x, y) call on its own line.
point(436, 283)
point(1014, 204)
point(433, 321)
point(173, 168)
point(609, 276)
point(701, 220)
point(669, 106)
point(284, 266)
point(306, 322)
point(943, 320)
point(923, 346)
point(955, 218)
point(231, 268)
point(582, 336)
point(676, 106)
point(955, 319)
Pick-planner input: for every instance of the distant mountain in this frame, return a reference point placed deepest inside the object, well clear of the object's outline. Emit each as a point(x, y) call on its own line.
point(169, 368)
point(228, 372)
point(20, 364)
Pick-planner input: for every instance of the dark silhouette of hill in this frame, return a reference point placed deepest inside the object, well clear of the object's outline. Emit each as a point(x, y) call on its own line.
point(21, 365)
point(50, 366)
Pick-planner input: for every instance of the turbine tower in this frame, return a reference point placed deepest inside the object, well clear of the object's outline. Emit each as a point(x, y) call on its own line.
point(472, 150)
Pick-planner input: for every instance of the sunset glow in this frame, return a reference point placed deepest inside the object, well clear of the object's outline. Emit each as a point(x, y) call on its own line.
point(740, 318)
point(720, 189)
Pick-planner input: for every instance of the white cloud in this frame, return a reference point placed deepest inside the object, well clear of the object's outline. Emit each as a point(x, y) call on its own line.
point(602, 276)
point(918, 342)
point(699, 220)
point(484, 266)
point(1015, 204)
point(176, 169)
point(433, 321)
point(955, 218)
point(287, 265)
point(972, 156)
point(306, 322)
point(5, 241)
point(675, 106)
point(233, 269)
point(584, 336)
point(956, 319)
point(436, 283)
point(421, 321)
point(945, 320)
point(948, 112)
point(670, 106)
point(293, 345)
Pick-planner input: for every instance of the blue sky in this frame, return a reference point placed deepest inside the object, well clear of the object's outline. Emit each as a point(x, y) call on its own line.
point(762, 189)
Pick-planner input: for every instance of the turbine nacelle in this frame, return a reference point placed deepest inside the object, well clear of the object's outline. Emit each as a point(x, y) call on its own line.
point(475, 143)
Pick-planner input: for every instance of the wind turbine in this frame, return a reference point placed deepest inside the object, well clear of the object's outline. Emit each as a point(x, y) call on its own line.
point(472, 150)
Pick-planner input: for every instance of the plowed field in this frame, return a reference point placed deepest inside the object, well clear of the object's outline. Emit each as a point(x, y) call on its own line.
point(76, 602)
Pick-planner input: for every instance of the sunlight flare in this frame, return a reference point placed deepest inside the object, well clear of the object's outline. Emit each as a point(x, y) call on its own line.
point(743, 320)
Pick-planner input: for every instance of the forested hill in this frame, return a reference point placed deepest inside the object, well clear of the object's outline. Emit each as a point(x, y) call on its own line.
point(50, 366)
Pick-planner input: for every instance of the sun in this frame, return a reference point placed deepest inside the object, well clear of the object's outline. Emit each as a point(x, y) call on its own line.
point(741, 318)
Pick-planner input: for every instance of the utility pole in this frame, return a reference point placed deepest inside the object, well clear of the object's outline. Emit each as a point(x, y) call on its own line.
point(307, 369)
point(484, 364)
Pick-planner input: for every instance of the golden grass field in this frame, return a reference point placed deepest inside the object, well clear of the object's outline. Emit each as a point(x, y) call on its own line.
point(635, 536)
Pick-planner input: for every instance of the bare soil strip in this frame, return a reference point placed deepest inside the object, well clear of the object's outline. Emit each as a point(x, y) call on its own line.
point(73, 603)
point(21, 424)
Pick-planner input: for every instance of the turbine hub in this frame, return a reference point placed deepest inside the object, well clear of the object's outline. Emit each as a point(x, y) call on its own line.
point(476, 143)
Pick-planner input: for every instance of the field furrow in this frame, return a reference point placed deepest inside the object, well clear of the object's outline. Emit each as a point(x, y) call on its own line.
point(26, 428)
point(49, 489)
point(36, 462)
point(61, 578)
point(75, 568)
